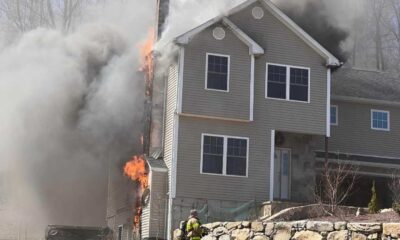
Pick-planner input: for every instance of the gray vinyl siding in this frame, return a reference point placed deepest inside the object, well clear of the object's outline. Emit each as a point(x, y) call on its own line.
point(171, 103)
point(158, 200)
point(190, 183)
point(145, 221)
point(199, 101)
point(354, 135)
point(282, 46)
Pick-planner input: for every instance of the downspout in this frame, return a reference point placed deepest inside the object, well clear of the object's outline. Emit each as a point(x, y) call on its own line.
point(328, 115)
point(272, 167)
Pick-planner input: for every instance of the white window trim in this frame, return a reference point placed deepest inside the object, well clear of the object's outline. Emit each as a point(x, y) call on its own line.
point(225, 155)
point(372, 120)
point(337, 115)
point(288, 67)
point(122, 232)
point(228, 76)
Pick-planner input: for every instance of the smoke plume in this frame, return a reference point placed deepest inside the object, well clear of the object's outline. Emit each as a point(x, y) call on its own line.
point(70, 104)
point(328, 22)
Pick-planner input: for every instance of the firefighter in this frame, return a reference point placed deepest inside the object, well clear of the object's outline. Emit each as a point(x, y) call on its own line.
point(193, 226)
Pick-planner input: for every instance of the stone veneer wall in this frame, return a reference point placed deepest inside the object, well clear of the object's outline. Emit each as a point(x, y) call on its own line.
point(302, 166)
point(299, 230)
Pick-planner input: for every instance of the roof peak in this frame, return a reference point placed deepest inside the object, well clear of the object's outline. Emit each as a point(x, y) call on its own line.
point(331, 61)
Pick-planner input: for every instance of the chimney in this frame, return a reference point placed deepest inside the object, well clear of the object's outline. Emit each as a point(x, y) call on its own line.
point(162, 14)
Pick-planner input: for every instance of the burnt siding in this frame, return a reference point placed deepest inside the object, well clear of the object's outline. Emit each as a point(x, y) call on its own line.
point(171, 104)
point(196, 99)
point(354, 135)
point(192, 184)
point(282, 46)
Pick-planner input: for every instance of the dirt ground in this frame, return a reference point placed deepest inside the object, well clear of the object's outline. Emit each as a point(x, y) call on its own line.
point(379, 217)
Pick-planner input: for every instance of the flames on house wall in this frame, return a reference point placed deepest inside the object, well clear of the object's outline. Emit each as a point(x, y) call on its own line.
point(136, 168)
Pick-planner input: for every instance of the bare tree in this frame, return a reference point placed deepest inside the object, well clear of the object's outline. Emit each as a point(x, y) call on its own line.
point(377, 10)
point(25, 15)
point(336, 182)
point(394, 186)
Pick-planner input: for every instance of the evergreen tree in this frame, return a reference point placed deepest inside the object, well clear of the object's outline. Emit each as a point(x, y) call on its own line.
point(373, 204)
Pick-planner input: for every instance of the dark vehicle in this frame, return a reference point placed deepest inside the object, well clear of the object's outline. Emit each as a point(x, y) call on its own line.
point(56, 232)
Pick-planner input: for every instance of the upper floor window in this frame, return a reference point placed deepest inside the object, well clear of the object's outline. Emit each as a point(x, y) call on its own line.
point(380, 120)
point(288, 82)
point(224, 155)
point(334, 115)
point(217, 72)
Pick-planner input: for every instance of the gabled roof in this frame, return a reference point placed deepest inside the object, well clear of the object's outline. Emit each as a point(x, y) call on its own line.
point(254, 48)
point(366, 84)
point(275, 11)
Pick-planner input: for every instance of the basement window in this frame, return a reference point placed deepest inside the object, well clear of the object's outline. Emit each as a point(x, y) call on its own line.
point(217, 72)
point(288, 82)
point(224, 155)
point(380, 120)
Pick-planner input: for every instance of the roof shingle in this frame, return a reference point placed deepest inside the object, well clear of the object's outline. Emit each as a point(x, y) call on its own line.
point(350, 82)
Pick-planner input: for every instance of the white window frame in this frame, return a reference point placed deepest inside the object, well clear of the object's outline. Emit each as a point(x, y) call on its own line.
point(372, 120)
point(228, 74)
point(122, 232)
point(288, 67)
point(337, 116)
point(225, 155)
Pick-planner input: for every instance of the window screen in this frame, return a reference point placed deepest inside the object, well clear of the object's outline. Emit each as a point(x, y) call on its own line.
point(276, 81)
point(237, 157)
point(213, 154)
point(334, 117)
point(217, 72)
point(380, 120)
point(299, 84)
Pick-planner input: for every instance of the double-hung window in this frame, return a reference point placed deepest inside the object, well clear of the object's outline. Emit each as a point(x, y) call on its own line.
point(288, 82)
point(217, 72)
point(224, 155)
point(380, 120)
point(334, 115)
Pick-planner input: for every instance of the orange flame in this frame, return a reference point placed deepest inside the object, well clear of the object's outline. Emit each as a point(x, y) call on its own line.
point(136, 170)
point(146, 49)
point(147, 66)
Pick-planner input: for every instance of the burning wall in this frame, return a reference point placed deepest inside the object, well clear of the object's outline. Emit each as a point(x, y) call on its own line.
point(136, 169)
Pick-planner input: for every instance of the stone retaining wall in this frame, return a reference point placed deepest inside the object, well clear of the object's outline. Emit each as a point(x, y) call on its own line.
point(299, 230)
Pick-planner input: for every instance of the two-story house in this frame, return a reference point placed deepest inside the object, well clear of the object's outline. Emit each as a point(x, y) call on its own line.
point(248, 105)
point(238, 80)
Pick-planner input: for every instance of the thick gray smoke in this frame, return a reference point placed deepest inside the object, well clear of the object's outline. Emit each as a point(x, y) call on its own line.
point(69, 105)
point(329, 22)
point(72, 103)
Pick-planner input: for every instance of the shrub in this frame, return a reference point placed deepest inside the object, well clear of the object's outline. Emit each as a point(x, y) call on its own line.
point(396, 207)
point(373, 204)
point(394, 186)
